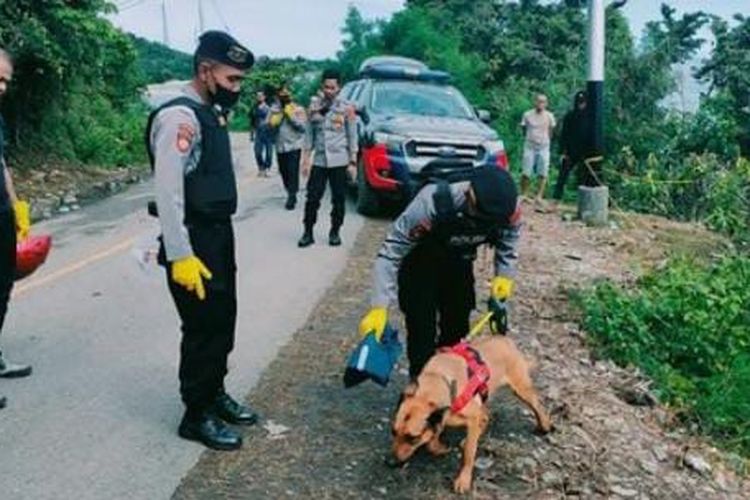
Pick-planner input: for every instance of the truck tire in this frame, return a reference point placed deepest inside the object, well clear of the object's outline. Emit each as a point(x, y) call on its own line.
point(368, 202)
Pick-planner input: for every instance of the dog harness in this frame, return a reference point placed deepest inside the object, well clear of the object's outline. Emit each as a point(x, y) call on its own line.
point(477, 372)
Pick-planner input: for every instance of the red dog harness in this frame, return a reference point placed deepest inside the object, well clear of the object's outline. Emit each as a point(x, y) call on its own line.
point(477, 372)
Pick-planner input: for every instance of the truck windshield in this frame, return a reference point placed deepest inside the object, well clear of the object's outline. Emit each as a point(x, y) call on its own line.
point(416, 98)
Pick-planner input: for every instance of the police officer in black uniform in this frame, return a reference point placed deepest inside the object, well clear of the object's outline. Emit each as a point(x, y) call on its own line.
point(426, 261)
point(196, 196)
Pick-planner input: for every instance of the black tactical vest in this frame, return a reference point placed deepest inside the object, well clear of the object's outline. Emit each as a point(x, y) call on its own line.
point(210, 189)
point(453, 227)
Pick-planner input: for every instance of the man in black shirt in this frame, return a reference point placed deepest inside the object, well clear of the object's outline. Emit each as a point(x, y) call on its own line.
point(573, 141)
point(14, 225)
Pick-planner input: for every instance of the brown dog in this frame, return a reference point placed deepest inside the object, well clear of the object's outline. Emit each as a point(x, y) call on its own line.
point(425, 408)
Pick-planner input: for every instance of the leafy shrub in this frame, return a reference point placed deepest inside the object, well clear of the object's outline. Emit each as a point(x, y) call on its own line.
point(688, 327)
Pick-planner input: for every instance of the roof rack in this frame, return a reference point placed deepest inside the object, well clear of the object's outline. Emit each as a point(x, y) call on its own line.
point(401, 68)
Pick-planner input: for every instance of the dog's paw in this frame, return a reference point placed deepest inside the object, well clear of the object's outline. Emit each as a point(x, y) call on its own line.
point(462, 483)
point(437, 448)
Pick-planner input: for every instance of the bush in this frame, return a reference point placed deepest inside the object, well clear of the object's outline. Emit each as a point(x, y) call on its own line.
point(688, 327)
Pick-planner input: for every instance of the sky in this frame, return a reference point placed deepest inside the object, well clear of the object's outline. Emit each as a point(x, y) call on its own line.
point(312, 28)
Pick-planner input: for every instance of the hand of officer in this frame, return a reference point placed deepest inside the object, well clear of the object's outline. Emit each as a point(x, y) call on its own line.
point(501, 288)
point(23, 219)
point(374, 322)
point(190, 273)
point(289, 111)
point(275, 120)
point(499, 319)
point(351, 169)
point(306, 166)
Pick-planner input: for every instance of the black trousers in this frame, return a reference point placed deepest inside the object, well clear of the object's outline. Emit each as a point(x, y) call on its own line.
point(7, 260)
point(207, 325)
point(566, 167)
point(316, 187)
point(289, 169)
point(435, 285)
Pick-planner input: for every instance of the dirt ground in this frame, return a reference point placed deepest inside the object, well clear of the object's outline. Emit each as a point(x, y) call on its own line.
point(322, 441)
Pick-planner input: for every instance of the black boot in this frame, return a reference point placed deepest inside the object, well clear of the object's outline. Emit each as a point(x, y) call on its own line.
point(307, 239)
point(206, 428)
point(3, 402)
point(233, 412)
point(13, 370)
point(291, 202)
point(333, 238)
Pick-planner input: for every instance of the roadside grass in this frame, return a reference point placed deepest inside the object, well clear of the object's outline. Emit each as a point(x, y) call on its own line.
point(687, 326)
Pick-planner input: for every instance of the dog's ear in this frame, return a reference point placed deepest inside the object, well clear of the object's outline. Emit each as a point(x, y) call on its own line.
point(436, 417)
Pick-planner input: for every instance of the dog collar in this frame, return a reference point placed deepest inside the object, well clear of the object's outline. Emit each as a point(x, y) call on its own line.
point(477, 372)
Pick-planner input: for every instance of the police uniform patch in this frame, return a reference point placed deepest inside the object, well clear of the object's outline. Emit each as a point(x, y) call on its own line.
point(185, 136)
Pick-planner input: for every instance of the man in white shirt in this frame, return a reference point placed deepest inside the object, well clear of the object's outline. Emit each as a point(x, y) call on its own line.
point(538, 125)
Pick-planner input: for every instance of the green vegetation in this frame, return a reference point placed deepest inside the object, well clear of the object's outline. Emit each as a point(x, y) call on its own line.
point(75, 94)
point(687, 327)
point(158, 63)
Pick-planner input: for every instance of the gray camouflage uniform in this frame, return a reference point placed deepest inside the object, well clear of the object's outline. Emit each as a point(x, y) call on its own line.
point(171, 165)
point(413, 226)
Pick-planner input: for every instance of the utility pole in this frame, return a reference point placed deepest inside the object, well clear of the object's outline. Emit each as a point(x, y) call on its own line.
point(164, 25)
point(593, 196)
point(201, 18)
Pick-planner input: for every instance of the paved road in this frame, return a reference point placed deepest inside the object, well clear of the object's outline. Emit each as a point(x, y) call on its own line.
point(98, 417)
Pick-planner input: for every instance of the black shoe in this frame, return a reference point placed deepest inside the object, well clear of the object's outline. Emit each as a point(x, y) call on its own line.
point(209, 430)
point(3, 402)
point(233, 412)
point(13, 370)
point(306, 240)
point(291, 202)
point(334, 239)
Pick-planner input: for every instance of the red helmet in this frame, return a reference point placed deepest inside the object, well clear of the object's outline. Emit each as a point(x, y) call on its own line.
point(31, 253)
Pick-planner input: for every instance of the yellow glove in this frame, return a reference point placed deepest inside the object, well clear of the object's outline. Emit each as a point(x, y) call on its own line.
point(289, 110)
point(501, 288)
point(374, 321)
point(276, 119)
point(23, 219)
point(190, 273)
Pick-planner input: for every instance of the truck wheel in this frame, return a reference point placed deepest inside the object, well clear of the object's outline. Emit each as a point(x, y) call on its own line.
point(368, 202)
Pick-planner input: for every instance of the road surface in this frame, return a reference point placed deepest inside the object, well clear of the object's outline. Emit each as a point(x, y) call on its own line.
point(98, 417)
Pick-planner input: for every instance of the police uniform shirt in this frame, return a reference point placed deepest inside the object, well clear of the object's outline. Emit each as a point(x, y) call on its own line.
point(176, 146)
point(332, 134)
point(4, 198)
point(413, 226)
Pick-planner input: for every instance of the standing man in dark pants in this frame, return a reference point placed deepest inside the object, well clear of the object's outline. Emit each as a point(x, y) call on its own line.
point(263, 137)
point(426, 260)
point(332, 155)
point(196, 196)
point(573, 142)
point(14, 225)
point(288, 122)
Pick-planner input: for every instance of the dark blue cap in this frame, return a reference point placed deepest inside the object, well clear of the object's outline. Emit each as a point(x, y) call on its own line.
point(224, 49)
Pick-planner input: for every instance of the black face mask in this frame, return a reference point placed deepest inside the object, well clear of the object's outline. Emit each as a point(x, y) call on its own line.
point(224, 97)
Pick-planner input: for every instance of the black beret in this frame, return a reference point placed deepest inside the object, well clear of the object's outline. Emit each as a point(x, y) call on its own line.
point(223, 48)
point(495, 192)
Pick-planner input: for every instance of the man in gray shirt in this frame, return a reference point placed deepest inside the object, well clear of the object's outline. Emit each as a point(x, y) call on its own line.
point(331, 155)
point(196, 196)
point(426, 261)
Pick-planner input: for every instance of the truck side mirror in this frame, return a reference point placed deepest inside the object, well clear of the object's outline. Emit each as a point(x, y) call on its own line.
point(484, 115)
point(363, 114)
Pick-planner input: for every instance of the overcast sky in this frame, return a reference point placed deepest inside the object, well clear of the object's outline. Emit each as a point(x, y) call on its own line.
point(312, 28)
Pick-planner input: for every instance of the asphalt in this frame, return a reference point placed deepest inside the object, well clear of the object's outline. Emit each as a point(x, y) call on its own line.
point(98, 417)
